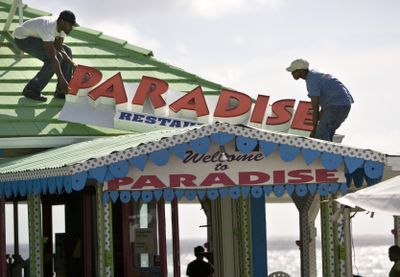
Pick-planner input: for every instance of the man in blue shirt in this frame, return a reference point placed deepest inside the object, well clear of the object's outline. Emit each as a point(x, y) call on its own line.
point(330, 99)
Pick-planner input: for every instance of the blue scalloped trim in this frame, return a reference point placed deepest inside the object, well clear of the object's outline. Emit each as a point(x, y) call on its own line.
point(358, 171)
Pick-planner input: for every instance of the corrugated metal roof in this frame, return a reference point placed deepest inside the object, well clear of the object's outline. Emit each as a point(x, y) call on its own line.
point(81, 152)
point(23, 117)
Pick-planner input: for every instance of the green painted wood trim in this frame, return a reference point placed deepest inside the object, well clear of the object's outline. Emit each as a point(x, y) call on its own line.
point(327, 238)
point(246, 269)
point(109, 259)
point(100, 231)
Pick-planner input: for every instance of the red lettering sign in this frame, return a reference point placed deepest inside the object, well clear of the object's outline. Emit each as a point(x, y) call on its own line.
point(217, 178)
point(84, 77)
point(302, 119)
point(260, 108)
point(253, 178)
point(300, 176)
point(231, 106)
point(150, 181)
point(225, 109)
point(176, 180)
point(193, 101)
point(153, 88)
point(282, 113)
point(113, 89)
point(325, 176)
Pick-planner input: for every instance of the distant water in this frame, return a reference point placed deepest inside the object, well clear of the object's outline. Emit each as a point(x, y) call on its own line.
point(370, 258)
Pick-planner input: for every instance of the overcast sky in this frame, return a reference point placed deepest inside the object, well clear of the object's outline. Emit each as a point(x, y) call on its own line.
point(247, 44)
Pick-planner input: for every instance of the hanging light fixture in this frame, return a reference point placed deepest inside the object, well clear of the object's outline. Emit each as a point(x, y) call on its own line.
point(222, 154)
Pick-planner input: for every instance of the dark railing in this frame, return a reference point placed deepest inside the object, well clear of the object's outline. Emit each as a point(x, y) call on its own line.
point(17, 266)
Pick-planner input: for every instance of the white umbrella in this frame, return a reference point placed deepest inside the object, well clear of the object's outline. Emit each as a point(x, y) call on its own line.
point(382, 197)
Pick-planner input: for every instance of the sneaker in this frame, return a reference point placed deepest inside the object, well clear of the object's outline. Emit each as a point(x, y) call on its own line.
point(59, 95)
point(34, 95)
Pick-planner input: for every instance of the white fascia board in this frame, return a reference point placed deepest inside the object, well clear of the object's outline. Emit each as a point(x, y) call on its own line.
point(42, 142)
point(394, 162)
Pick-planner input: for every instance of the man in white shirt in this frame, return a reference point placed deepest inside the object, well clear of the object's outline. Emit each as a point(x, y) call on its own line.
point(43, 38)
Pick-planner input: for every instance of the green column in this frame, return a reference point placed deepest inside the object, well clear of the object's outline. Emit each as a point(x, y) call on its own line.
point(327, 237)
point(340, 242)
point(244, 227)
point(333, 239)
point(105, 241)
point(35, 236)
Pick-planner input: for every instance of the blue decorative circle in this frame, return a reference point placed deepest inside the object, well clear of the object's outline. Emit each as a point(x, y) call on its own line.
point(279, 191)
point(119, 169)
point(374, 170)
point(200, 145)
point(190, 194)
point(331, 161)
point(78, 181)
point(301, 190)
point(169, 194)
point(245, 144)
point(125, 196)
point(160, 157)
point(257, 192)
point(147, 196)
point(288, 152)
point(212, 194)
point(235, 192)
point(323, 189)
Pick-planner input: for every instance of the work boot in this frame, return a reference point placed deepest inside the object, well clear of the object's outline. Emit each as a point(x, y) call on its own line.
point(34, 95)
point(59, 95)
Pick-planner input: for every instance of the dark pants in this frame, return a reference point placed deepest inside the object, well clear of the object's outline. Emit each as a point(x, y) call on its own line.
point(34, 47)
point(332, 118)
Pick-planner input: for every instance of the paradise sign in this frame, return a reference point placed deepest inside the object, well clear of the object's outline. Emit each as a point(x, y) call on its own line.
point(150, 104)
point(207, 171)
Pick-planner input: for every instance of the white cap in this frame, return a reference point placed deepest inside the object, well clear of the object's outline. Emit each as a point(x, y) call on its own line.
point(298, 64)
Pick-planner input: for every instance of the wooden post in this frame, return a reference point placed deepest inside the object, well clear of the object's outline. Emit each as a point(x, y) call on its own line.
point(162, 238)
point(16, 233)
point(126, 211)
point(3, 259)
point(175, 238)
point(87, 234)
point(47, 216)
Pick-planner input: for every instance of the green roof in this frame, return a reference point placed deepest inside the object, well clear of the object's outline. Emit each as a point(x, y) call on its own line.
point(68, 155)
point(22, 117)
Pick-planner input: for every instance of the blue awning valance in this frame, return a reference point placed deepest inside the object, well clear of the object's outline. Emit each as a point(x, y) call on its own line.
point(157, 148)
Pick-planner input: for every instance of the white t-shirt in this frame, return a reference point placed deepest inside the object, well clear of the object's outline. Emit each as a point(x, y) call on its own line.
point(44, 27)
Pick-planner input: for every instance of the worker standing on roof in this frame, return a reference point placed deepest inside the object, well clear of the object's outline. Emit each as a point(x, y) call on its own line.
point(330, 99)
point(43, 38)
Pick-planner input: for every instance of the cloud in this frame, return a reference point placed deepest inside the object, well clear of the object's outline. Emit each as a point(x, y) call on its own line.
point(216, 8)
point(131, 34)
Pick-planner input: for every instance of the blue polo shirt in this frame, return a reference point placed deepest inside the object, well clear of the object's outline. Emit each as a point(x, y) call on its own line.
point(330, 90)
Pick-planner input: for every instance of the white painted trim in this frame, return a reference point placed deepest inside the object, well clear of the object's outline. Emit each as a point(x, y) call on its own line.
point(394, 162)
point(42, 142)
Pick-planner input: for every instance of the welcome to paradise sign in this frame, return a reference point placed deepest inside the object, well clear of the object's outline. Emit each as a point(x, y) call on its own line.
point(207, 171)
point(150, 105)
